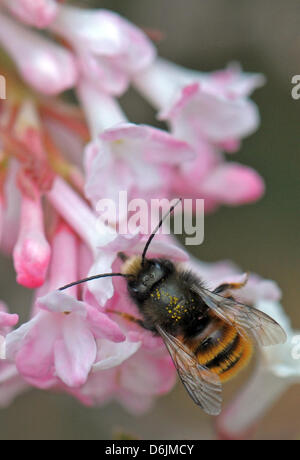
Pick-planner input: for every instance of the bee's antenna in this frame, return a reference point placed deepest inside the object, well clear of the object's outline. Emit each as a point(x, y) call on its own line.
point(95, 277)
point(156, 230)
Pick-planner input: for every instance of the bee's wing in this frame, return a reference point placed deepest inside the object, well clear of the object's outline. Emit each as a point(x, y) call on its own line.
point(203, 386)
point(265, 330)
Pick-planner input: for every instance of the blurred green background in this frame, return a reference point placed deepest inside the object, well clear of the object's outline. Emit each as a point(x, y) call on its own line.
point(263, 35)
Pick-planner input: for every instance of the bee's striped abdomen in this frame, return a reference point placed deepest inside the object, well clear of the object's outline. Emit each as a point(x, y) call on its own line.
point(221, 349)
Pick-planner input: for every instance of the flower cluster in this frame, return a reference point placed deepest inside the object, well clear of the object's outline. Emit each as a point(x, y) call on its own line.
point(58, 160)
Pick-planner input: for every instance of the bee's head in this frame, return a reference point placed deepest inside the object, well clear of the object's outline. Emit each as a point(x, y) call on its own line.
point(151, 273)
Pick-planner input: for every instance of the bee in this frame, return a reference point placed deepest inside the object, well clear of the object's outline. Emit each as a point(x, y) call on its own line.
point(209, 335)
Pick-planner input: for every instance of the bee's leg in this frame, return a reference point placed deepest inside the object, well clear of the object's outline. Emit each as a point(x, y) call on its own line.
point(223, 288)
point(131, 318)
point(123, 256)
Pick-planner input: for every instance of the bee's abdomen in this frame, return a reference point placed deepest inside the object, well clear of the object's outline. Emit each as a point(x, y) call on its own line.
point(224, 351)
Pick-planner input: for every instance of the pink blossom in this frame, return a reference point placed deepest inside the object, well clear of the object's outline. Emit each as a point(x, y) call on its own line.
point(198, 106)
point(43, 64)
point(135, 158)
point(59, 343)
point(210, 111)
point(138, 159)
point(110, 49)
point(38, 13)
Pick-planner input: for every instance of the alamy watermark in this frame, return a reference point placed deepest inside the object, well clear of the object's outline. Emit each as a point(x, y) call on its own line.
point(2, 87)
point(296, 89)
point(142, 216)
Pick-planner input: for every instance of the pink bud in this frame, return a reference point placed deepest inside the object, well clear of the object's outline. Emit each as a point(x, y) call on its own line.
point(38, 13)
point(44, 65)
point(234, 184)
point(109, 48)
point(32, 251)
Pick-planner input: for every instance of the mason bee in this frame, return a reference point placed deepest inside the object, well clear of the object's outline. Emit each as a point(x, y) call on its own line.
point(209, 335)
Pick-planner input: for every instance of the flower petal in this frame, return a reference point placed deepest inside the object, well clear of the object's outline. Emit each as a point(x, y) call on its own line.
point(60, 302)
point(103, 327)
point(75, 354)
point(234, 184)
point(38, 13)
point(8, 320)
point(146, 374)
point(46, 66)
point(114, 354)
point(34, 360)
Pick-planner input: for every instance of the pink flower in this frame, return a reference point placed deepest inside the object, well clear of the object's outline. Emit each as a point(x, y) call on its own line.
point(210, 111)
point(43, 64)
point(132, 158)
point(212, 107)
point(110, 49)
point(38, 13)
point(138, 159)
point(59, 343)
